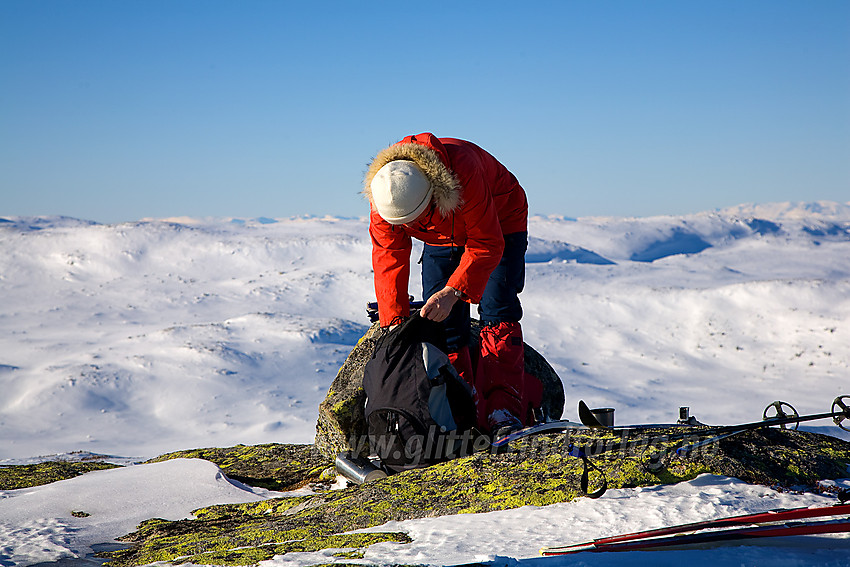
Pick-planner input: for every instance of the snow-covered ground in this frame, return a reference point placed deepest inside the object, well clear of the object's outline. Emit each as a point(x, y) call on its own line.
point(141, 338)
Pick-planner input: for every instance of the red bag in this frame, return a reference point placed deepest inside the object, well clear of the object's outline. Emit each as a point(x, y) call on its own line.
point(500, 377)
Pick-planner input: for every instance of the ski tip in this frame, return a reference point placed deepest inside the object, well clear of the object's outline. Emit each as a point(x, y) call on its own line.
point(567, 549)
point(548, 552)
point(585, 415)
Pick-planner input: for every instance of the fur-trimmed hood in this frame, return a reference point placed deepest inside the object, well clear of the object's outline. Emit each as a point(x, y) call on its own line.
point(443, 181)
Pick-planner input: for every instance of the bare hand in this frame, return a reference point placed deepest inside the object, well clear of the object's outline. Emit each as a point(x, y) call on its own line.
point(439, 305)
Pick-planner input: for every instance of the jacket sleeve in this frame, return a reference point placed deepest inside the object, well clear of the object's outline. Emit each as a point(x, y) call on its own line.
point(484, 240)
point(391, 248)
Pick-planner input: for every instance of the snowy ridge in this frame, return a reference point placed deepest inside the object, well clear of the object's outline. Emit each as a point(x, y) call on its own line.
point(169, 328)
point(789, 210)
point(212, 331)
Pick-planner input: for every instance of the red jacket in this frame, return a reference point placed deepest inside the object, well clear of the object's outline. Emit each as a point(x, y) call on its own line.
point(476, 201)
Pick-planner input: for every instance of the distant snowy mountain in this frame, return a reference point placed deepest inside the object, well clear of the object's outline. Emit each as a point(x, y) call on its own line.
point(653, 238)
point(825, 210)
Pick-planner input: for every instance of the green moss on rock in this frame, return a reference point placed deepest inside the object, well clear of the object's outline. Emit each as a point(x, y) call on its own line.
point(272, 466)
point(13, 477)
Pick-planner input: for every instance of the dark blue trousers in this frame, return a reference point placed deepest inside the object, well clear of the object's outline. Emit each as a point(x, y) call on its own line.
point(500, 301)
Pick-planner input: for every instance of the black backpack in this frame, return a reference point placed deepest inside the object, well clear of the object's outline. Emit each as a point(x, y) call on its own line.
point(419, 411)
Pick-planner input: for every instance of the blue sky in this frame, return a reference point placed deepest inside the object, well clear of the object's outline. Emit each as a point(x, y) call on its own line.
point(115, 110)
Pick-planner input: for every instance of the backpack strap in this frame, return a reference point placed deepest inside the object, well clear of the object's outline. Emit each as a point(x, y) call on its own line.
point(585, 475)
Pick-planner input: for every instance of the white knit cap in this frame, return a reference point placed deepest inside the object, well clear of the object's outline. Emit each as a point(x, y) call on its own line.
point(400, 191)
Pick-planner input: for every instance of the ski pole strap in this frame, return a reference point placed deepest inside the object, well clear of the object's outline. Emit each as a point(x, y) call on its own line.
point(587, 466)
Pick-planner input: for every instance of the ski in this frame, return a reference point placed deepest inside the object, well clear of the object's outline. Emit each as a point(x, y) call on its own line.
point(686, 450)
point(837, 415)
point(761, 524)
point(687, 429)
point(567, 425)
point(840, 412)
point(733, 534)
point(588, 421)
point(546, 427)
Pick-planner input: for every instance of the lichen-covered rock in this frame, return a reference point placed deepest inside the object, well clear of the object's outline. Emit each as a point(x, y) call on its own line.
point(341, 421)
point(536, 471)
point(272, 466)
point(341, 416)
point(783, 458)
point(24, 476)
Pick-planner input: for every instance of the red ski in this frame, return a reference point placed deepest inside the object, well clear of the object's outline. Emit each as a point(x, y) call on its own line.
point(744, 526)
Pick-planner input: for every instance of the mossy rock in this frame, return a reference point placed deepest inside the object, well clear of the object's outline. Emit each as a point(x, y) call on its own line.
point(341, 421)
point(780, 457)
point(536, 471)
point(13, 477)
point(341, 416)
point(272, 466)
